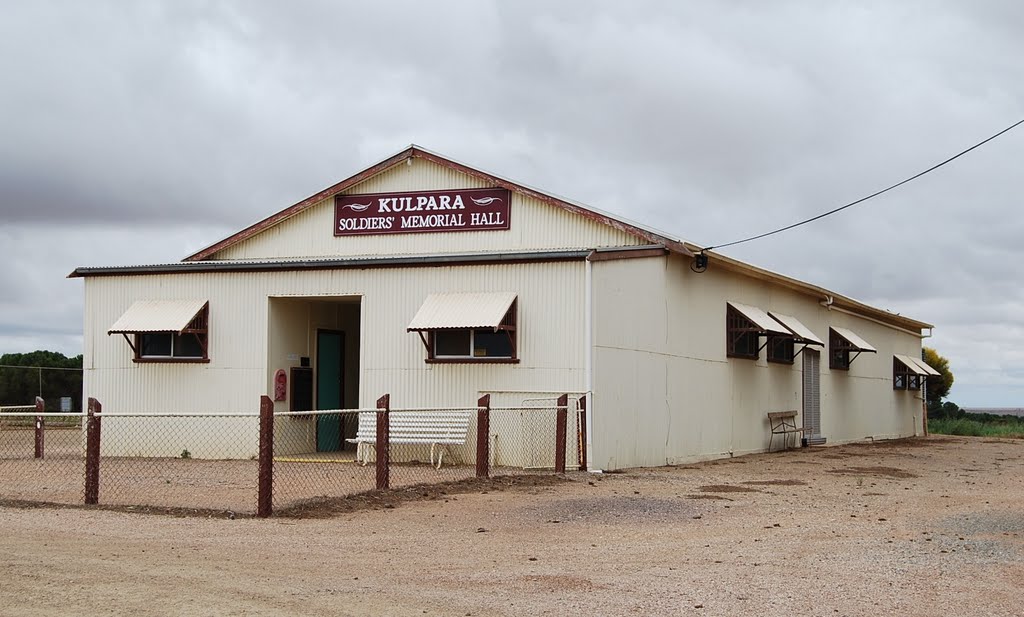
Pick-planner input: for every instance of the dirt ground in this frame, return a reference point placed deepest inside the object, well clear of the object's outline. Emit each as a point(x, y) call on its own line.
point(915, 527)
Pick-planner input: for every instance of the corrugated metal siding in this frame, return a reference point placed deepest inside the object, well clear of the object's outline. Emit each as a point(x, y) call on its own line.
point(665, 392)
point(534, 225)
point(462, 310)
point(797, 327)
point(158, 316)
point(550, 336)
point(853, 338)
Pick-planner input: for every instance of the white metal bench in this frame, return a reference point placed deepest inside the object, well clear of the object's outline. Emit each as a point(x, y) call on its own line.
point(783, 423)
point(440, 429)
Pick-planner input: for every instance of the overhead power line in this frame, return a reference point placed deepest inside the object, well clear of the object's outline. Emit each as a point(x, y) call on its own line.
point(863, 199)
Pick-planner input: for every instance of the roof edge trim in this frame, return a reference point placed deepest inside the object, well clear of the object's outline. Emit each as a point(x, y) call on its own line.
point(410, 261)
point(840, 301)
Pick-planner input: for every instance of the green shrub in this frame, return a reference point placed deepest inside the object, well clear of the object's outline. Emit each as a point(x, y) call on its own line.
point(979, 425)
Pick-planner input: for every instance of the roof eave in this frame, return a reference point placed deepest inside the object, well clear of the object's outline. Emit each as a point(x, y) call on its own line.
point(838, 300)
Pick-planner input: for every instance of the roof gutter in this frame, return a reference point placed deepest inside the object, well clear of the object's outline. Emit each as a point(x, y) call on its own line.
point(469, 259)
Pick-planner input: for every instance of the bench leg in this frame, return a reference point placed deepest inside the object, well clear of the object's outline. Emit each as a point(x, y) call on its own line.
point(362, 456)
point(770, 440)
point(439, 448)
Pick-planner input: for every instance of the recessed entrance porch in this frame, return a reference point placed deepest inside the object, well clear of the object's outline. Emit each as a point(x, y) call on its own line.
point(314, 342)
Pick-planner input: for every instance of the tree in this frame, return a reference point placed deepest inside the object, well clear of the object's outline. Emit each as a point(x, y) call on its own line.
point(23, 376)
point(938, 387)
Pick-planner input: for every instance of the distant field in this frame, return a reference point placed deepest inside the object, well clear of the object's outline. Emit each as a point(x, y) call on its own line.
point(979, 425)
point(996, 411)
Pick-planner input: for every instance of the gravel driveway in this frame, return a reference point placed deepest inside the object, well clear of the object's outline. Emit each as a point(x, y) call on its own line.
point(914, 527)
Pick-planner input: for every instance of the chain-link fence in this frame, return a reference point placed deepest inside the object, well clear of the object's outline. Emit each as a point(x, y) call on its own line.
point(41, 454)
point(179, 461)
point(321, 456)
point(260, 462)
point(312, 461)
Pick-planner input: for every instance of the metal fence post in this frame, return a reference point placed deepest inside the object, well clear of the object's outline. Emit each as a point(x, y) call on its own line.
point(265, 490)
point(92, 452)
point(582, 424)
point(40, 408)
point(483, 429)
point(562, 415)
point(384, 442)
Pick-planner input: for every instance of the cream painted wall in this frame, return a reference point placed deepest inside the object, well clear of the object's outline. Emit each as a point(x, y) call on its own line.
point(244, 354)
point(534, 225)
point(666, 393)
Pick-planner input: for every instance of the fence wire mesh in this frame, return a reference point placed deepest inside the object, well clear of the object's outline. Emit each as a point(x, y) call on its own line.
point(203, 462)
point(524, 438)
point(312, 459)
point(210, 462)
point(41, 456)
point(326, 455)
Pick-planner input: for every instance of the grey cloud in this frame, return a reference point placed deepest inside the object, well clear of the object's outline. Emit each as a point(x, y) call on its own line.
point(179, 122)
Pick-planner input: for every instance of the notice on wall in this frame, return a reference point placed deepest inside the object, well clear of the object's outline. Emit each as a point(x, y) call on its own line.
point(419, 212)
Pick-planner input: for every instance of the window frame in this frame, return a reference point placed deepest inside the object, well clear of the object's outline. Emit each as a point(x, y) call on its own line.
point(901, 375)
point(787, 344)
point(508, 325)
point(198, 327)
point(838, 347)
point(738, 328)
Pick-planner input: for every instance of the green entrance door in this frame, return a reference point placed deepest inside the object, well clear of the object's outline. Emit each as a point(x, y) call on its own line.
point(330, 387)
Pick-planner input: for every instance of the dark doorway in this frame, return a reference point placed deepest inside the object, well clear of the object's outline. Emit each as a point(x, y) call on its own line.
point(330, 388)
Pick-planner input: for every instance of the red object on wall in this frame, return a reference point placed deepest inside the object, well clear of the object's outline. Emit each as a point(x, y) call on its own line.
point(280, 385)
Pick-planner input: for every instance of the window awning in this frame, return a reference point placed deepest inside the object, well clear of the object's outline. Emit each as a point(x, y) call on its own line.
point(157, 316)
point(462, 310)
point(916, 366)
point(759, 318)
point(856, 343)
point(801, 333)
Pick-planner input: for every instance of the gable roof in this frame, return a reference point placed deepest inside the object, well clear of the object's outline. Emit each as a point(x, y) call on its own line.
point(676, 245)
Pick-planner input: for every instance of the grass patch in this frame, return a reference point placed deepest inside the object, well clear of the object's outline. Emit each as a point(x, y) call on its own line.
point(999, 426)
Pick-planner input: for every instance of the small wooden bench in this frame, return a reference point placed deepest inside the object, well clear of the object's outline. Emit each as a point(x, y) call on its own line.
point(440, 429)
point(783, 423)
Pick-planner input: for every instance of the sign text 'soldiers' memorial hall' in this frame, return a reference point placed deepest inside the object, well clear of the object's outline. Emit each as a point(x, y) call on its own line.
point(431, 211)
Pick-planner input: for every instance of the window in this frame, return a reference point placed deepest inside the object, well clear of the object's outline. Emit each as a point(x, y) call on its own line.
point(780, 349)
point(741, 335)
point(909, 372)
point(843, 348)
point(838, 352)
point(188, 345)
point(166, 330)
point(900, 375)
point(473, 343)
point(468, 327)
point(170, 345)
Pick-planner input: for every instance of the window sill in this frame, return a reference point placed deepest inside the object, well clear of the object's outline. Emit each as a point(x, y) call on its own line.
point(839, 368)
point(785, 362)
point(171, 360)
point(472, 360)
point(733, 355)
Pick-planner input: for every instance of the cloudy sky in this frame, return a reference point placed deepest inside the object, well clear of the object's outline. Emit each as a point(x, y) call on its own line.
point(139, 132)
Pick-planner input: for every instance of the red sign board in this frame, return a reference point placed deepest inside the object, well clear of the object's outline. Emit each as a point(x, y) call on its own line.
point(421, 211)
